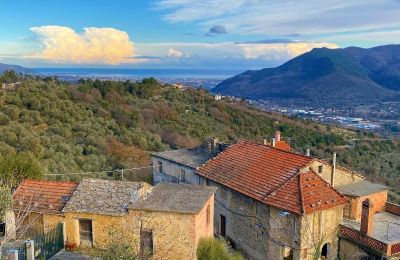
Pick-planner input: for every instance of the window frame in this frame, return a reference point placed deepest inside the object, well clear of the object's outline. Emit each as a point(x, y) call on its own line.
point(320, 168)
point(159, 167)
point(182, 175)
point(3, 229)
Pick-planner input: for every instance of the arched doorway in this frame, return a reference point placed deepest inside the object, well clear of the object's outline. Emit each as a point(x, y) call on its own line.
point(325, 251)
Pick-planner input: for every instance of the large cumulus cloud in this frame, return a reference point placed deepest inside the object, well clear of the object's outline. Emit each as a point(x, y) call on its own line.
point(93, 46)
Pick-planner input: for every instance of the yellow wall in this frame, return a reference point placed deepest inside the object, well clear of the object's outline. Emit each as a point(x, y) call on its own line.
point(175, 235)
point(102, 225)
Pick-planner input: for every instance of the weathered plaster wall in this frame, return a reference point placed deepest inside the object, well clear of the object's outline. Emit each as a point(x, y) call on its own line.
point(171, 172)
point(342, 176)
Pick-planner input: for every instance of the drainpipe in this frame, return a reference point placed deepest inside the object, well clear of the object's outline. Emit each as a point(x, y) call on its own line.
point(333, 169)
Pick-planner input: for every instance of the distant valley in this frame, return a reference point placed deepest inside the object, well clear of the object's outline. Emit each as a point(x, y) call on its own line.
point(334, 83)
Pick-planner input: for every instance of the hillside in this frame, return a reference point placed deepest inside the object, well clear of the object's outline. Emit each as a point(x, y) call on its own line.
point(350, 75)
point(105, 125)
point(16, 68)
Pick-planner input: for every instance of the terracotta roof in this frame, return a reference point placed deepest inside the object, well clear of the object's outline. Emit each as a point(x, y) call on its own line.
point(43, 196)
point(271, 176)
point(282, 145)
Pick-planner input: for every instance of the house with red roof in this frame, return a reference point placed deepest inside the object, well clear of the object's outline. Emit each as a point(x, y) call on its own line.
point(273, 203)
point(38, 205)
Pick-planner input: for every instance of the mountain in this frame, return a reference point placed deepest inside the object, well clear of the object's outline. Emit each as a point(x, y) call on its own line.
point(351, 74)
point(16, 68)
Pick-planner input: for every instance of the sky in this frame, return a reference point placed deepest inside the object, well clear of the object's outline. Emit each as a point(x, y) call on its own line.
point(206, 34)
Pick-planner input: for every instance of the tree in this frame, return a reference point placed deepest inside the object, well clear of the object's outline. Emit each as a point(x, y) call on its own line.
point(215, 249)
point(5, 202)
point(14, 168)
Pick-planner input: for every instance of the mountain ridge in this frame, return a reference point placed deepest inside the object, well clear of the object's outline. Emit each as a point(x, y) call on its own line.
point(351, 74)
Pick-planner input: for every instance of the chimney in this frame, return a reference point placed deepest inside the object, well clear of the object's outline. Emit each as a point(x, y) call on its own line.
point(278, 136)
point(214, 145)
point(273, 142)
point(333, 169)
point(265, 141)
point(307, 152)
point(367, 217)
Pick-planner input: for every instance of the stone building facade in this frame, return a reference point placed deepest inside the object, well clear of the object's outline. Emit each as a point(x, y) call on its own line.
point(255, 212)
point(172, 217)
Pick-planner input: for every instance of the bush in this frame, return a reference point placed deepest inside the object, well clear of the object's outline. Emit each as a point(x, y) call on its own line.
point(215, 249)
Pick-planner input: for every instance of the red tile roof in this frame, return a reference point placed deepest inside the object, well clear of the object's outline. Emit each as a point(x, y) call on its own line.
point(271, 176)
point(43, 196)
point(282, 145)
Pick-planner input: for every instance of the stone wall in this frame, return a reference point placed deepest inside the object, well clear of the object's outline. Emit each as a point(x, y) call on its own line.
point(50, 222)
point(102, 225)
point(342, 175)
point(171, 172)
point(321, 227)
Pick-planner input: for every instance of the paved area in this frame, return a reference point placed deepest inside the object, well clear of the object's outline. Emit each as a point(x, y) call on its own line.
point(65, 255)
point(386, 227)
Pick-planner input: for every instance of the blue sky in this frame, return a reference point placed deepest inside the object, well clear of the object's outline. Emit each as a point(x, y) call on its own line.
point(187, 33)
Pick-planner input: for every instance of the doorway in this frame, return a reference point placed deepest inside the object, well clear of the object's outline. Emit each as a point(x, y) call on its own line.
point(86, 232)
point(325, 251)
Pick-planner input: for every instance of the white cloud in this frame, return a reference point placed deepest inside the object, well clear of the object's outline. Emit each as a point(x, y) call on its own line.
point(93, 46)
point(173, 53)
point(285, 17)
point(281, 51)
point(231, 50)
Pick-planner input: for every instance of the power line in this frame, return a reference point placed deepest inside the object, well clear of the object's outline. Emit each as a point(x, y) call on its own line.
point(97, 172)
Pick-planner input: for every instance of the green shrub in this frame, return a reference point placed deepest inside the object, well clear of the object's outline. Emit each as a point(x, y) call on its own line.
point(215, 249)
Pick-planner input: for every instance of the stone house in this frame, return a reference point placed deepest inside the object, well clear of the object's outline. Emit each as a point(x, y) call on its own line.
point(256, 192)
point(38, 205)
point(269, 200)
point(165, 221)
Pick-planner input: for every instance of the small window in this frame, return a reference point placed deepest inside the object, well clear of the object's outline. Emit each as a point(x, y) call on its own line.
point(86, 232)
point(320, 168)
point(287, 253)
point(182, 175)
point(160, 170)
point(146, 242)
point(2, 229)
point(208, 215)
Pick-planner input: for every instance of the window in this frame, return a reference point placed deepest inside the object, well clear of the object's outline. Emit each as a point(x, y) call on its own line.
point(320, 168)
point(287, 253)
point(159, 165)
point(182, 175)
point(2, 229)
point(85, 232)
point(208, 215)
point(146, 242)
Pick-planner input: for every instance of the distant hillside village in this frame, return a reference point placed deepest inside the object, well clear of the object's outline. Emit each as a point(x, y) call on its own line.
point(262, 199)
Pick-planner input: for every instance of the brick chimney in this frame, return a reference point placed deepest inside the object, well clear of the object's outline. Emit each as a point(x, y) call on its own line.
point(367, 217)
point(277, 136)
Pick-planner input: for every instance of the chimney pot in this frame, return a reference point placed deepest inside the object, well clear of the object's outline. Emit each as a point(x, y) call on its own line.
point(307, 152)
point(278, 136)
point(367, 217)
point(265, 141)
point(273, 142)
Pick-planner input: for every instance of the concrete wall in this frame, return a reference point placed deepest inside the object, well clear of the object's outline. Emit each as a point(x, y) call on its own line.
point(171, 172)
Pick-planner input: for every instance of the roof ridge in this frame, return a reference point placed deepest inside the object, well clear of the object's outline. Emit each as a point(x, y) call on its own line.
point(302, 209)
point(274, 148)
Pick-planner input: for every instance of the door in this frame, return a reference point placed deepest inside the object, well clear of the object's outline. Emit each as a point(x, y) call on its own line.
point(86, 232)
point(222, 226)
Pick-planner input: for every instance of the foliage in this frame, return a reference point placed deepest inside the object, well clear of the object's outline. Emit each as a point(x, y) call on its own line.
point(120, 247)
point(104, 125)
point(214, 249)
point(15, 167)
point(5, 201)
